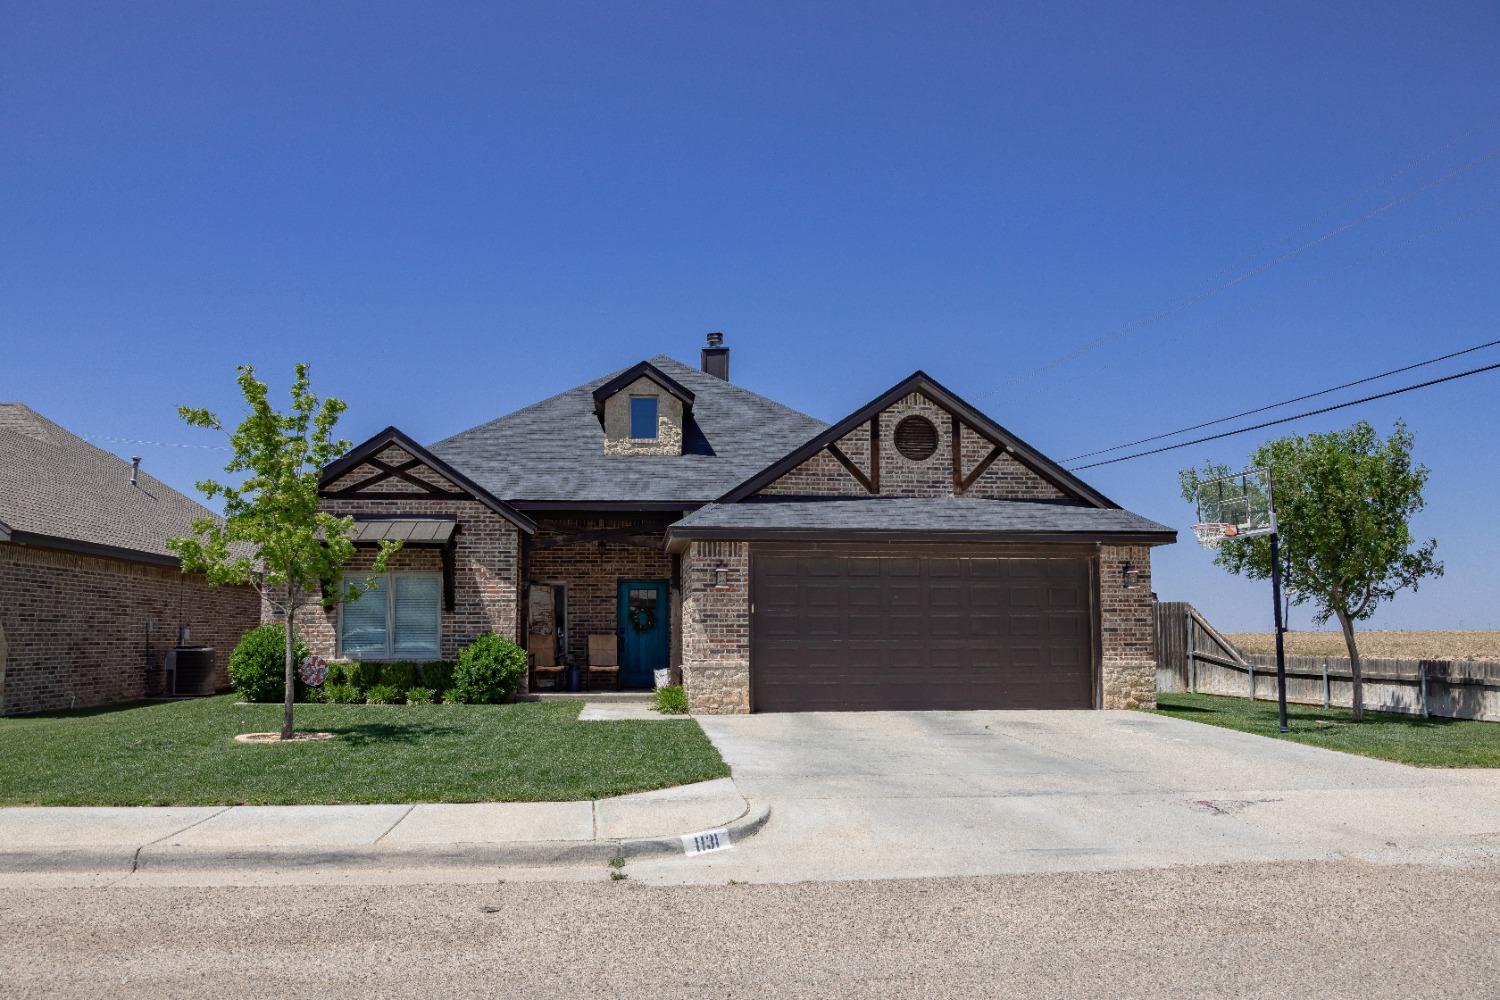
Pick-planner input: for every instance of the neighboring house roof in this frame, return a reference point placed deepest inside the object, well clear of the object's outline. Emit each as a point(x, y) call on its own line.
point(59, 491)
point(925, 518)
point(920, 381)
point(368, 453)
point(553, 451)
point(647, 370)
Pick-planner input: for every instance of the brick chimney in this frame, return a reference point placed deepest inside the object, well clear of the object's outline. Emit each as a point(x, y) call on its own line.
point(716, 356)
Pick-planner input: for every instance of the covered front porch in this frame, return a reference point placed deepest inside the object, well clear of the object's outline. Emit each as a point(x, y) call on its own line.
point(601, 594)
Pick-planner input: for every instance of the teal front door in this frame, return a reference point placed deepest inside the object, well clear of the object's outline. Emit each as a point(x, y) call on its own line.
point(644, 621)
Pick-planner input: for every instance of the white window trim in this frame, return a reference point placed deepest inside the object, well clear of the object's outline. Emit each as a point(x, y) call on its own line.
point(388, 590)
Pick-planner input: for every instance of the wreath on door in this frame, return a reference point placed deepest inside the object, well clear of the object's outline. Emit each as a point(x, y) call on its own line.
point(643, 619)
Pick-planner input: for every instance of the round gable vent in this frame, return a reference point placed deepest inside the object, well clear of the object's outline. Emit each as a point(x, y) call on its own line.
point(916, 438)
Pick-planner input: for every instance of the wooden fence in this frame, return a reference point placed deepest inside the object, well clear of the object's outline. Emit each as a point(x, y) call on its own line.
point(1193, 656)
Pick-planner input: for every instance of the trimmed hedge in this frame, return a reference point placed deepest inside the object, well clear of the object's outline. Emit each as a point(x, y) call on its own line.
point(257, 667)
point(489, 670)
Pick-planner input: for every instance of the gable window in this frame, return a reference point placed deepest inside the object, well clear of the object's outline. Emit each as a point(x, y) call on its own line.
point(400, 619)
point(643, 417)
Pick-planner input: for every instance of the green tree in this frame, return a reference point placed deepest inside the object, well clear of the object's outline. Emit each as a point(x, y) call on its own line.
point(1344, 503)
point(272, 535)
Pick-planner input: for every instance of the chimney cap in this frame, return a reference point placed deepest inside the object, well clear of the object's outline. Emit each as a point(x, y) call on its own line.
point(715, 339)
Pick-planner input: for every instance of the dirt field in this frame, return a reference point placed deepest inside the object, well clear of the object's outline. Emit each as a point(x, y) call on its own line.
point(1438, 645)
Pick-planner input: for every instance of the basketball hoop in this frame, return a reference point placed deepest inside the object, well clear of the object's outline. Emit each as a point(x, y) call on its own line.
point(1211, 534)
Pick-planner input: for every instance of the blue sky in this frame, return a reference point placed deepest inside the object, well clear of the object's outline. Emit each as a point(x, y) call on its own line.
point(453, 210)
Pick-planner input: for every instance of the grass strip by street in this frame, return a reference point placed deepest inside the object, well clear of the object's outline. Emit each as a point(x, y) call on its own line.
point(1406, 739)
point(183, 753)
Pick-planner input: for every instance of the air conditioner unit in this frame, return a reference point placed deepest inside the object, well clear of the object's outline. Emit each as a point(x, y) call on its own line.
point(191, 669)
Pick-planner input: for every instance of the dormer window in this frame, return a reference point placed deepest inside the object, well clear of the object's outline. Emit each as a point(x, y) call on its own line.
point(643, 411)
point(643, 418)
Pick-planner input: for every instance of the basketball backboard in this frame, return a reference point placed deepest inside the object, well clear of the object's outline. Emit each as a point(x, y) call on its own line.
point(1234, 506)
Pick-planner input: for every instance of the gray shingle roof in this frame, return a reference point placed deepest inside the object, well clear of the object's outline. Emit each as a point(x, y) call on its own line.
point(960, 515)
point(56, 485)
point(554, 449)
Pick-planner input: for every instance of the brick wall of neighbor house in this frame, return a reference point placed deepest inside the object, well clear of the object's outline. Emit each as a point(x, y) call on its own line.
point(617, 439)
point(485, 571)
point(75, 627)
point(1129, 642)
point(824, 475)
point(592, 571)
point(716, 627)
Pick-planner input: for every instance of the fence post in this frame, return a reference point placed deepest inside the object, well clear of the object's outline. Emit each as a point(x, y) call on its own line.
point(1327, 695)
point(1192, 647)
point(1422, 671)
point(1251, 665)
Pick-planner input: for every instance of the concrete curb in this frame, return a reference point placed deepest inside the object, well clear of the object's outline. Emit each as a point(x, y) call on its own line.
point(747, 826)
point(127, 859)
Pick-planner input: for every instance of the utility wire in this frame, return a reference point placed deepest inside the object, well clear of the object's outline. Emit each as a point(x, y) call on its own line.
point(1286, 402)
point(1298, 416)
point(154, 444)
point(1222, 286)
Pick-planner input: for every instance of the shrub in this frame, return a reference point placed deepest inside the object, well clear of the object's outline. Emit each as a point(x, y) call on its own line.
point(671, 700)
point(489, 670)
point(257, 667)
point(438, 675)
point(420, 696)
point(400, 674)
point(310, 695)
point(339, 673)
point(341, 694)
point(364, 675)
point(383, 694)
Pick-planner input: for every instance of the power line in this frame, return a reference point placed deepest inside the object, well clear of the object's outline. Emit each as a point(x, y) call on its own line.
point(1223, 286)
point(1298, 416)
point(1287, 402)
point(154, 444)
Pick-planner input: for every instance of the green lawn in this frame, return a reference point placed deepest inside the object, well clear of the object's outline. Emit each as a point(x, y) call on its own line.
point(183, 753)
point(1408, 739)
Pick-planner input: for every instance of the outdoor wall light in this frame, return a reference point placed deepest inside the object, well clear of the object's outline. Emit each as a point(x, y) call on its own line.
point(721, 575)
point(1130, 575)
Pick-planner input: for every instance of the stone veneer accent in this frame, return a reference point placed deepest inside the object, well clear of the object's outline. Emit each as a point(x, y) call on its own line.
point(824, 475)
point(716, 627)
point(79, 630)
point(617, 439)
point(1127, 628)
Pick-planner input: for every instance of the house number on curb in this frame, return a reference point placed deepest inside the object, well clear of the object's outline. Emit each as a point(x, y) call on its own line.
point(708, 840)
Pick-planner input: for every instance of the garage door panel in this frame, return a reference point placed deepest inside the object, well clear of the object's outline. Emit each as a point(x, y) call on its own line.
point(880, 632)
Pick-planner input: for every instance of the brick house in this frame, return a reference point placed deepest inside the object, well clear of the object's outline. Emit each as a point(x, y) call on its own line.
point(91, 600)
point(915, 554)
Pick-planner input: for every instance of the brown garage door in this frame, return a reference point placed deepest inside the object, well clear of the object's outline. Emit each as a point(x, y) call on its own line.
point(848, 633)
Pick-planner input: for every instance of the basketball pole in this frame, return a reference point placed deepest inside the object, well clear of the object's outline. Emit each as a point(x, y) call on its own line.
point(1276, 596)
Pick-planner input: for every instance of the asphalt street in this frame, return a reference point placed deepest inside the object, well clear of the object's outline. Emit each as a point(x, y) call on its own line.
point(1348, 929)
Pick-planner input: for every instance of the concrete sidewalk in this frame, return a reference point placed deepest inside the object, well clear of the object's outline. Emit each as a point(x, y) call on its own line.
point(36, 839)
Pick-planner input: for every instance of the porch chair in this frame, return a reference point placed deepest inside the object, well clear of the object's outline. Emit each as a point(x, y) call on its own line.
point(543, 656)
point(604, 658)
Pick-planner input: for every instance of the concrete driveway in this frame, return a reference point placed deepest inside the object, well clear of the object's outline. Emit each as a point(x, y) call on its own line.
point(903, 794)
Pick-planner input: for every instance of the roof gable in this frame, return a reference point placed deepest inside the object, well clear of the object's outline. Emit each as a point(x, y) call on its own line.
point(1005, 446)
point(390, 465)
point(644, 369)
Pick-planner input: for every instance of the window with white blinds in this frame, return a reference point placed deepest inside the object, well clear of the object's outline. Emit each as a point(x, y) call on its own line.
point(415, 617)
point(400, 619)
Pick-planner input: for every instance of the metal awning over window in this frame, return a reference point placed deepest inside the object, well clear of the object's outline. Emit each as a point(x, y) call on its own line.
point(417, 533)
point(414, 531)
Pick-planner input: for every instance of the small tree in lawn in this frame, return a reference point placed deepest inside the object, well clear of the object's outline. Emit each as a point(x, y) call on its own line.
point(1344, 504)
point(272, 535)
